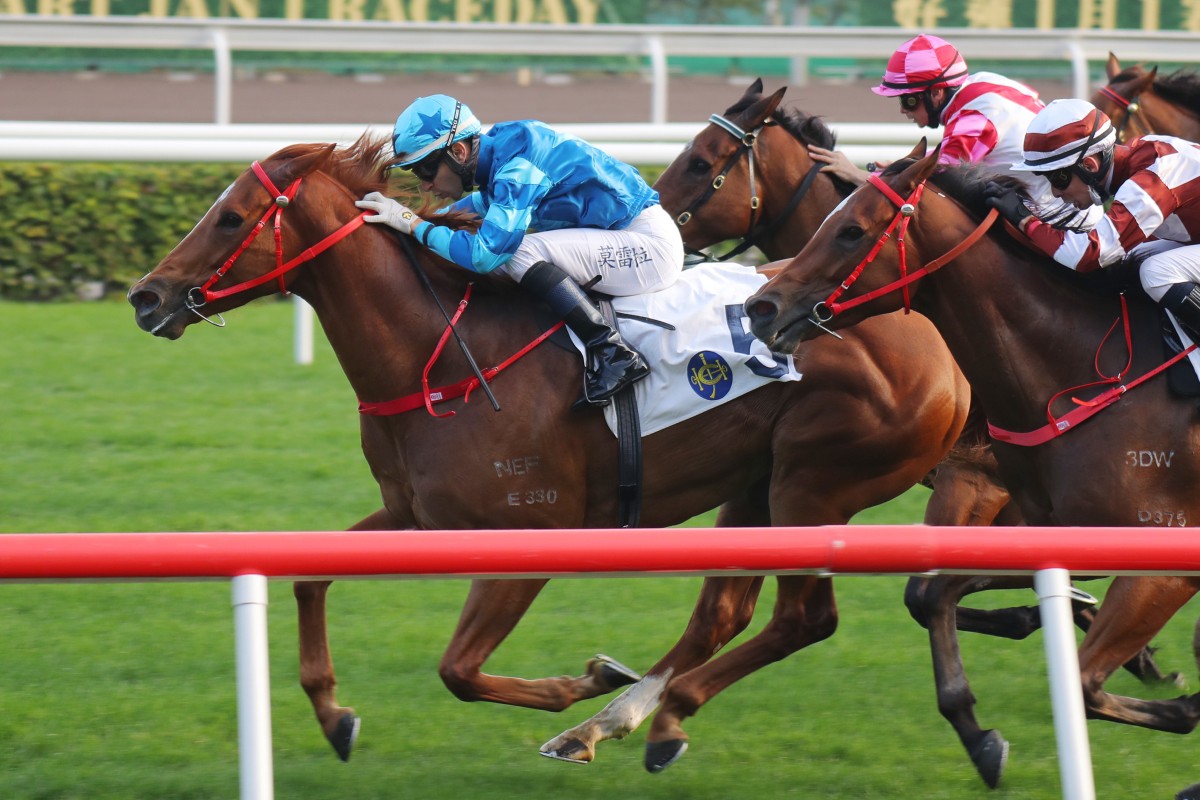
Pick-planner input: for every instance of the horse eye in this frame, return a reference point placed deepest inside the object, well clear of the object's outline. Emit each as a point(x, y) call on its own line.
point(699, 166)
point(850, 233)
point(230, 220)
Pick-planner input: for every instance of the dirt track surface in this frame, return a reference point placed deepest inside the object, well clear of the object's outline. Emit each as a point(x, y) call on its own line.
point(319, 98)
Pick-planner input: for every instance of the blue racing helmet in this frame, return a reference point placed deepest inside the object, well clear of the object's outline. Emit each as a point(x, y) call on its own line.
point(431, 124)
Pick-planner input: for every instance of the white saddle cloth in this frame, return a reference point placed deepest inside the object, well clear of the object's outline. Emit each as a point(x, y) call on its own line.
point(709, 359)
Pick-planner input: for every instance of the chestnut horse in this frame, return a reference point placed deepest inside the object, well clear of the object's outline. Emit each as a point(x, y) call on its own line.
point(1025, 331)
point(870, 418)
point(778, 210)
point(1139, 102)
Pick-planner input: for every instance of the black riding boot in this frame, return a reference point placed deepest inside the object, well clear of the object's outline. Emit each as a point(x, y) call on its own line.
point(611, 364)
point(1183, 300)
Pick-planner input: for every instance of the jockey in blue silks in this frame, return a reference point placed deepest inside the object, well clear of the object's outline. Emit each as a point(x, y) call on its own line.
point(556, 213)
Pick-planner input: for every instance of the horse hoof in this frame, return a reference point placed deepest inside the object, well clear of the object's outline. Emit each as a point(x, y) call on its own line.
point(346, 734)
point(1190, 793)
point(989, 757)
point(660, 755)
point(613, 673)
point(572, 751)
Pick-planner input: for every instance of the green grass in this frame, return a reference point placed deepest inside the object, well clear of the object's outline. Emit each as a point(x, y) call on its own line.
point(126, 690)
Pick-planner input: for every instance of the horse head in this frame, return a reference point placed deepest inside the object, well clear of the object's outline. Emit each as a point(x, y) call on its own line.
point(859, 248)
point(1122, 99)
point(264, 225)
point(723, 151)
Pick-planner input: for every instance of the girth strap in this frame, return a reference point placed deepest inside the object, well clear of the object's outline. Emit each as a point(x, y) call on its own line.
point(629, 444)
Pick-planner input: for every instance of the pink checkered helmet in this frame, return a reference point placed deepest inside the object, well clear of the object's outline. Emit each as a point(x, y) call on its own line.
point(921, 64)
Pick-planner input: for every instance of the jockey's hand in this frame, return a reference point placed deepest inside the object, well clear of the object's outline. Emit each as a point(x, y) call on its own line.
point(837, 164)
point(389, 212)
point(1008, 203)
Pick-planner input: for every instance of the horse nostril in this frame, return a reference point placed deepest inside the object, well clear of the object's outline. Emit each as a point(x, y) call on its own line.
point(145, 302)
point(761, 311)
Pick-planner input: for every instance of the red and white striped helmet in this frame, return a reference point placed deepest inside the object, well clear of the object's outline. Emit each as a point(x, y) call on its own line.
point(1063, 133)
point(922, 63)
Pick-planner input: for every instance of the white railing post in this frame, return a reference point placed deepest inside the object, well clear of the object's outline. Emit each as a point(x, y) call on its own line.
point(253, 687)
point(303, 345)
point(658, 73)
point(222, 77)
point(1080, 78)
point(1066, 692)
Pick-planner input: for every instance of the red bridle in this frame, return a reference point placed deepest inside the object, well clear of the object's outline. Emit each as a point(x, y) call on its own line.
point(200, 295)
point(827, 309)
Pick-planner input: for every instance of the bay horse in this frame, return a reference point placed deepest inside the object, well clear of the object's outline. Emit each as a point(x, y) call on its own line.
point(1139, 102)
point(1027, 333)
point(870, 418)
point(747, 176)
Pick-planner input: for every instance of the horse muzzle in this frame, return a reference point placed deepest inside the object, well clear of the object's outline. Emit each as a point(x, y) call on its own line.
point(149, 304)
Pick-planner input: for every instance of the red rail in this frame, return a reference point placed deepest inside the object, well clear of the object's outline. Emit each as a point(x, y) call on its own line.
point(853, 549)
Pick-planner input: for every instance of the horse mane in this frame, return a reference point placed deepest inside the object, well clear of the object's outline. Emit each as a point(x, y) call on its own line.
point(365, 166)
point(1181, 88)
point(806, 127)
point(965, 184)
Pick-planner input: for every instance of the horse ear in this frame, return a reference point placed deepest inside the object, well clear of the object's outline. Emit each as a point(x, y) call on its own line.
point(775, 100)
point(1143, 83)
point(756, 87)
point(1113, 67)
point(302, 163)
point(924, 166)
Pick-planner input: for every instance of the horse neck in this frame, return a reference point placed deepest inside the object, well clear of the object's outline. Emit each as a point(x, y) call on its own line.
point(785, 164)
point(1020, 330)
point(1165, 117)
point(378, 316)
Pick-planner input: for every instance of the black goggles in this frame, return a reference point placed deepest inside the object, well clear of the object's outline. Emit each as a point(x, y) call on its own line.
point(427, 168)
point(1059, 178)
point(909, 102)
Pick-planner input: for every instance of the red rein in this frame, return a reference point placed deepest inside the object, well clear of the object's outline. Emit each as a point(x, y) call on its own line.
point(201, 295)
point(1055, 426)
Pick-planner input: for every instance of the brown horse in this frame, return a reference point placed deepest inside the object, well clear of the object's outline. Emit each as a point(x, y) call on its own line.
point(1023, 329)
point(1139, 102)
point(773, 196)
point(855, 432)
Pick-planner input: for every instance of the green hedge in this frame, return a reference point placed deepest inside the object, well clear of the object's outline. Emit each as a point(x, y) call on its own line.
point(68, 229)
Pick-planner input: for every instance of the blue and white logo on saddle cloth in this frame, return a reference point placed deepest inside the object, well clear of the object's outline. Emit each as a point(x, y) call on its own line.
point(709, 359)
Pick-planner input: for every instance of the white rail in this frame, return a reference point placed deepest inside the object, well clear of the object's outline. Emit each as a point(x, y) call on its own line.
point(646, 144)
point(653, 43)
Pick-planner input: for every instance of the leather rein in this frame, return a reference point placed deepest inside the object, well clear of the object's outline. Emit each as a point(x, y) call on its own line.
point(829, 308)
point(199, 296)
point(746, 143)
point(1130, 106)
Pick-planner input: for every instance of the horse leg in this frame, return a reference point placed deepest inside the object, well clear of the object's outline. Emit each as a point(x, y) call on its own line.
point(339, 724)
point(1019, 622)
point(805, 613)
point(1142, 666)
point(1134, 610)
point(935, 602)
point(724, 609)
point(492, 610)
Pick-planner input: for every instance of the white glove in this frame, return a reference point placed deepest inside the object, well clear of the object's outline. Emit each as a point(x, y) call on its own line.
point(389, 212)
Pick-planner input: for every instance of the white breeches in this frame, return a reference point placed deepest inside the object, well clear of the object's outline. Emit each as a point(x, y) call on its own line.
point(644, 257)
point(1165, 264)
